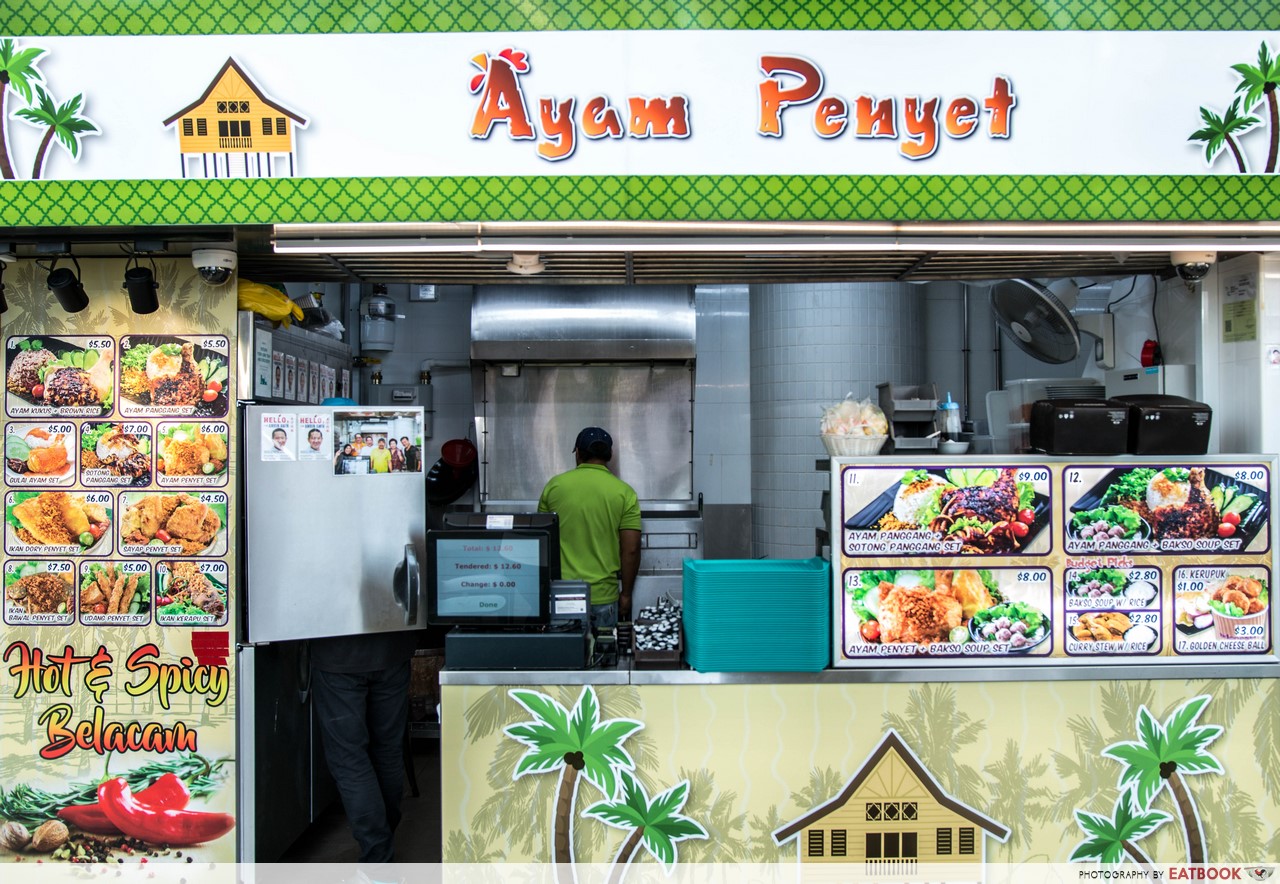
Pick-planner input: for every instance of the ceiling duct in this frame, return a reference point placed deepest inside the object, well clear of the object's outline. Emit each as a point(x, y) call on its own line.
point(524, 323)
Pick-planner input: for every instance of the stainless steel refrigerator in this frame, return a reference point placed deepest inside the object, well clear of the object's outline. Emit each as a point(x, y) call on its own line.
point(332, 541)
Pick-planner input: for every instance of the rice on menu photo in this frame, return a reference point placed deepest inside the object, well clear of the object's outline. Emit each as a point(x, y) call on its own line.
point(174, 375)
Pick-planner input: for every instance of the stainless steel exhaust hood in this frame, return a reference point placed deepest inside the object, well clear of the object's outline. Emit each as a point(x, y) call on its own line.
point(529, 323)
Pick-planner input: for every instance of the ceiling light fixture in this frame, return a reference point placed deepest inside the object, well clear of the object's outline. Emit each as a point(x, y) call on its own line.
point(781, 243)
point(66, 287)
point(140, 283)
point(526, 264)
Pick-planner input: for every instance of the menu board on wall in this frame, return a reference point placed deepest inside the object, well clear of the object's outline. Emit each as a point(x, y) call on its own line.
point(118, 607)
point(975, 560)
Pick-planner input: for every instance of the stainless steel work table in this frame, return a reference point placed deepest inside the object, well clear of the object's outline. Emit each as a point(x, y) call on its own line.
point(624, 674)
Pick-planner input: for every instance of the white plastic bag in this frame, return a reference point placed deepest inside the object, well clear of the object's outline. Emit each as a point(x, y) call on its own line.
point(854, 417)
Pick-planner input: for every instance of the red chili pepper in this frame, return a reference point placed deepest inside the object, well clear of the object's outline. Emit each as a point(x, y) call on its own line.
point(168, 792)
point(179, 828)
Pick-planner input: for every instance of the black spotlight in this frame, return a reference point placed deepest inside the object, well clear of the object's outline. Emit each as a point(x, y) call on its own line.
point(4, 305)
point(141, 285)
point(66, 287)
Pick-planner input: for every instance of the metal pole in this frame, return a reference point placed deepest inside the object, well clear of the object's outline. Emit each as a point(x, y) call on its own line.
point(968, 413)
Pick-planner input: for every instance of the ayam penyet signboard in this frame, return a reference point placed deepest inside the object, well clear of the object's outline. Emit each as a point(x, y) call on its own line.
point(270, 111)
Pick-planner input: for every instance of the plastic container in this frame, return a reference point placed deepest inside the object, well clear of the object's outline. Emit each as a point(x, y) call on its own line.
point(757, 615)
point(653, 659)
point(949, 420)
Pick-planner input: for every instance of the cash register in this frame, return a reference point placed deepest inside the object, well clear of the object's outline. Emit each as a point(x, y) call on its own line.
point(492, 584)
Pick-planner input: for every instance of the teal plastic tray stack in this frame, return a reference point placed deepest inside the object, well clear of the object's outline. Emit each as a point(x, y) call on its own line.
point(757, 615)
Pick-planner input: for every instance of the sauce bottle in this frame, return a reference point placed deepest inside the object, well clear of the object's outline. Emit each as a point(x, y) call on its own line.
point(949, 419)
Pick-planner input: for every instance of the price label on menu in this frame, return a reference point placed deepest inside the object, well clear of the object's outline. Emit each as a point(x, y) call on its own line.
point(115, 593)
point(191, 593)
point(39, 593)
point(1154, 559)
point(1093, 633)
point(39, 454)
point(1222, 610)
point(946, 511)
point(59, 376)
point(174, 375)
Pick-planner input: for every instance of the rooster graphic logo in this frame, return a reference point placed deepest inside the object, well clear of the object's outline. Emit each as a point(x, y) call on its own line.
point(1260, 873)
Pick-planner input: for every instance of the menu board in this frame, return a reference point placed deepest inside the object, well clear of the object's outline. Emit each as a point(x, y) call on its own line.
point(117, 541)
point(967, 561)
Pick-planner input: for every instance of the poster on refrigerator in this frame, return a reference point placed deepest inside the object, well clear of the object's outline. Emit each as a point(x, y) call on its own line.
point(117, 673)
point(290, 376)
point(315, 437)
point(969, 561)
point(278, 436)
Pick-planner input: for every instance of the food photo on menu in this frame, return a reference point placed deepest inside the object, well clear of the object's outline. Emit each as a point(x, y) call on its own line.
point(1113, 632)
point(39, 454)
point(191, 453)
point(190, 594)
point(1167, 509)
point(1119, 588)
point(112, 453)
point(174, 524)
point(57, 523)
point(37, 593)
point(168, 374)
point(975, 511)
point(115, 592)
point(947, 611)
point(64, 376)
point(1222, 609)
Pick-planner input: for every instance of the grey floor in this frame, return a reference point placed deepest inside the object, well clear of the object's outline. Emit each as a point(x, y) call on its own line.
point(329, 840)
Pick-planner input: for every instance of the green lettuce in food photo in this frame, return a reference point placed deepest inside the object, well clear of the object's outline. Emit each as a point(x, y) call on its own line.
point(1106, 523)
point(1099, 582)
point(1130, 486)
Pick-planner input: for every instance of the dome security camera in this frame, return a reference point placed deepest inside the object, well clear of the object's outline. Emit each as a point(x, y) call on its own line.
point(215, 266)
point(1193, 266)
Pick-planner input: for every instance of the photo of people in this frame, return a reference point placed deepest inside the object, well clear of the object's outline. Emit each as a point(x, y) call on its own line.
point(377, 443)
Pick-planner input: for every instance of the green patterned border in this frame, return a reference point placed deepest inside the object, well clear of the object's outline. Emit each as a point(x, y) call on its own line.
point(192, 17)
point(642, 197)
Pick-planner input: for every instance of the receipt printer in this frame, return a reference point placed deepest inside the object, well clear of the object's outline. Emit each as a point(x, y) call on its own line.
point(570, 600)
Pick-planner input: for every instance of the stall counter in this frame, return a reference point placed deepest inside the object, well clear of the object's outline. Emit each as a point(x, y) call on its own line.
point(869, 766)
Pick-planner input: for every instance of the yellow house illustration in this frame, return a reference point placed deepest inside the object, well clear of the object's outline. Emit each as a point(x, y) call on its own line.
point(890, 818)
point(234, 130)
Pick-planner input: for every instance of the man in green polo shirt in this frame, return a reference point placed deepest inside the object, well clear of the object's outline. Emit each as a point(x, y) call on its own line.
point(599, 518)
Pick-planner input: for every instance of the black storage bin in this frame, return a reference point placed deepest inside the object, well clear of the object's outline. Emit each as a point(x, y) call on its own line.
point(1167, 424)
point(1079, 426)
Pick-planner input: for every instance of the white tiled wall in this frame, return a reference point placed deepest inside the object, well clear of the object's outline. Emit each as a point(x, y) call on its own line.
point(722, 399)
point(810, 345)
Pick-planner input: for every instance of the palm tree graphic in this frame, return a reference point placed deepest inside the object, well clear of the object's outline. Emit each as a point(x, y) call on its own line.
point(656, 824)
point(1164, 754)
point(1259, 81)
point(577, 745)
point(1111, 839)
point(61, 120)
point(1224, 131)
point(17, 70)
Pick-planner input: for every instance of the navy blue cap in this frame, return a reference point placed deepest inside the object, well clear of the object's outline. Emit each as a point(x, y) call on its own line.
point(595, 443)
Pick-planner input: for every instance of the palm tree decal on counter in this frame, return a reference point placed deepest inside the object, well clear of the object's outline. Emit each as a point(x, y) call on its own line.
point(1164, 754)
point(578, 746)
point(1258, 82)
point(1224, 131)
point(655, 824)
point(62, 121)
point(1111, 839)
point(18, 72)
